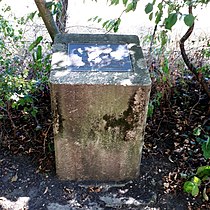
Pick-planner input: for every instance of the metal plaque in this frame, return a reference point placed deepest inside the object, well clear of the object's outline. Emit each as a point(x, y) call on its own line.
point(99, 57)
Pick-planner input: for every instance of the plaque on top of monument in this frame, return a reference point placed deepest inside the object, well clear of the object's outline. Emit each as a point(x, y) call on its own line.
point(99, 57)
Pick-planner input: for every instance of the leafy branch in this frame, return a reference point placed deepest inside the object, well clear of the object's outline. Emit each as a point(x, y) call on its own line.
point(174, 13)
point(113, 24)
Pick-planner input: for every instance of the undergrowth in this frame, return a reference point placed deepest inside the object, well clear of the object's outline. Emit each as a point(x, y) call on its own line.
point(26, 123)
point(24, 91)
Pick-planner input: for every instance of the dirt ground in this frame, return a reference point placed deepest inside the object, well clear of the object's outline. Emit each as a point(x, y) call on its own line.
point(27, 172)
point(22, 187)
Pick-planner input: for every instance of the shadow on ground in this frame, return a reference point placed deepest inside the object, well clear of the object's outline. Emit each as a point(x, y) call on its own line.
point(23, 187)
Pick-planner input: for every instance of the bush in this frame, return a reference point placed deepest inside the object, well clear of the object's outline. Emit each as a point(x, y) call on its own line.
point(24, 71)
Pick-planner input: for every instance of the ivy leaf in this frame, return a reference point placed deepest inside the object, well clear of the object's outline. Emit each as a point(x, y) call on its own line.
point(148, 8)
point(189, 20)
point(170, 20)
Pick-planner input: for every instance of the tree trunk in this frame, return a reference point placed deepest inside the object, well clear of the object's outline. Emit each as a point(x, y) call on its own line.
point(61, 17)
point(47, 18)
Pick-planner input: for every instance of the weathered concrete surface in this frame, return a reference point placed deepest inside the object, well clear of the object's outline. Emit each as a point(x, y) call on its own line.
point(99, 117)
point(61, 75)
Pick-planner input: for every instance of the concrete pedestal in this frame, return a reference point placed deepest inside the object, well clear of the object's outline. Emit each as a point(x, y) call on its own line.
point(99, 103)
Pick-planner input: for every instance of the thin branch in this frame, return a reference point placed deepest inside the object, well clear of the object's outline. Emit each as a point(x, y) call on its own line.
point(190, 66)
point(152, 40)
point(47, 18)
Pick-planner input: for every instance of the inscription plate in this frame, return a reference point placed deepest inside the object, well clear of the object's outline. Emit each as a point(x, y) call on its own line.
point(99, 57)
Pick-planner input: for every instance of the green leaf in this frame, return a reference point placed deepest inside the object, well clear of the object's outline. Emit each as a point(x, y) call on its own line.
point(114, 2)
point(130, 7)
point(35, 43)
point(188, 186)
point(34, 112)
point(195, 191)
point(31, 16)
point(150, 109)
point(206, 149)
point(158, 17)
point(165, 67)
point(125, 2)
point(99, 20)
point(170, 20)
point(189, 19)
point(105, 23)
point(8, 8)
point(95, 18)
point(148, 8)
point(164, 39)
point(196, 180)
point(191, 187)
point(160, 6)
point(150, 16)
point(116, 25)
point(109, 24)
point(134, 5)
point(49, 5)
point(39, 52)
point(164, 78)
point(203, 171)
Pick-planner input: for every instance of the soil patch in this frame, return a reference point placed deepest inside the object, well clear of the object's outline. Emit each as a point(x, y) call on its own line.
point(27, 172)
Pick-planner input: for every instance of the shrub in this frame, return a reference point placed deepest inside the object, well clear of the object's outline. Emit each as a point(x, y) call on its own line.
point(24, 69)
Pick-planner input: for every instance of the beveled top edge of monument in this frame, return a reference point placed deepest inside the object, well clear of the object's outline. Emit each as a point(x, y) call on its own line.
point(96, 38)
point(100, 78)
